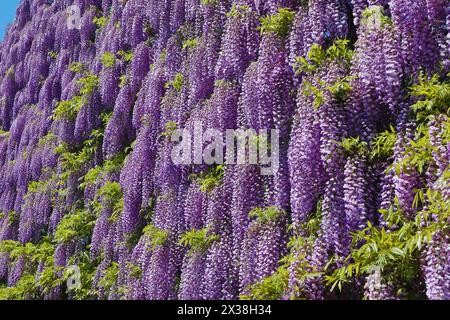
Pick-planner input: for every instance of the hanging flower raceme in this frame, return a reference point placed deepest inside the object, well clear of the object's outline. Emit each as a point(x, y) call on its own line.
point(240, 43)
point(76, 189)
point(420, 28)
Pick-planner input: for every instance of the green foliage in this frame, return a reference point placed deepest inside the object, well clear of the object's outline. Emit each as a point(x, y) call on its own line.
point(13, 217)
point(108, 60)
point(374, 16)
point(68, 109)
point(123, 81)
point(26, 288)
point(109, 278)
point(170, 126)
point(132, 239)
point(38, 186)
point(112, 197)
point(88, 84)
point(198, 240)
point(134, 271)
point(88, 267)
point(354, 146)
point(317, 59)
point(275, 286)
point(341, 88)
point(162, 56)
point(279, 23)
point(100, 22)
point(127, 56)
point(210, 2)
point(209, 179)
point(50, 278)
point(75, 161)
point(382, 146)
point(17, 250)
point(177, 83)
point(238, 11)
point(190, 44)
point(53, 54)
point(433, 100)
point(270, 288)
point(148, 209)
point(156, 236)
point(266, 215)
point(10, 73)
point(110, 194)
point(105, 117)
point(434, 97)
point(419, 152)
point(395, 252)
point(115, 164)
point(110, 191)
point(309, 90)
point(90, 178)
point(77, 67)
point(76, 225)
point(4, 133)
point(48, 139)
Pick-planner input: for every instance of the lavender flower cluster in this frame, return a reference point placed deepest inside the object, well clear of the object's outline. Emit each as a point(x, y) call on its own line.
point(223, 64)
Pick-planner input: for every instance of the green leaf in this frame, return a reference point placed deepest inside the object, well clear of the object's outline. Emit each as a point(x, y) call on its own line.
point(279, 23)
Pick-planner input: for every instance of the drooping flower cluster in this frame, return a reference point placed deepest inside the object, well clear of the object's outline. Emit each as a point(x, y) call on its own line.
point(87, 114)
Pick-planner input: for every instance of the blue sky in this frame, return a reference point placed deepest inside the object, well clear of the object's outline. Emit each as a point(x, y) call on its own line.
point(7, 13)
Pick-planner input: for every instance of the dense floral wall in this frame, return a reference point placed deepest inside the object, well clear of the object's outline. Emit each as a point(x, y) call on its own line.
point(359, 207)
